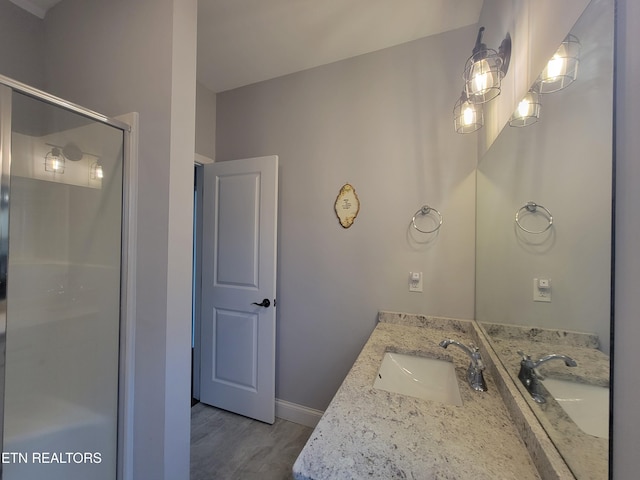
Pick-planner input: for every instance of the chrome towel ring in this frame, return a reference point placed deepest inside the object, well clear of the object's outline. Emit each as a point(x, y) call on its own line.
point(426, 210)
point(532, 207)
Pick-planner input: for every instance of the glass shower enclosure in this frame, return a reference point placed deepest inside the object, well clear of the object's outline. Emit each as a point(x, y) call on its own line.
point(61, 211)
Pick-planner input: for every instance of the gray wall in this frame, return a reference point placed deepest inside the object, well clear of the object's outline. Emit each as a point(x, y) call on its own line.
point(382, 122)
point(119, 56)
point(205, 121)
point(564, 163)
point(21, 45)
point(626, 390)
point(536, 27)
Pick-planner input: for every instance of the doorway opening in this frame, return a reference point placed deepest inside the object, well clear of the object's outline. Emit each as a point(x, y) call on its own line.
point(198, 175)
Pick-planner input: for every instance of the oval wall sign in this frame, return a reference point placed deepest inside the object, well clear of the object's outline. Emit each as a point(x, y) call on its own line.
point(347, 205)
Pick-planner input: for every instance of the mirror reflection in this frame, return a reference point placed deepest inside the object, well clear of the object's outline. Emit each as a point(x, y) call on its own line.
point(543, 282)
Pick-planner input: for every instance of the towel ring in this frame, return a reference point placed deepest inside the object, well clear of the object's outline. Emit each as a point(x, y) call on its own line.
point(532, 207)
point(426, 210)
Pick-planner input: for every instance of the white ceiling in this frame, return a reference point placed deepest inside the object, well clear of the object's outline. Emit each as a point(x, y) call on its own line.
point(246, 41)
point(36, 7)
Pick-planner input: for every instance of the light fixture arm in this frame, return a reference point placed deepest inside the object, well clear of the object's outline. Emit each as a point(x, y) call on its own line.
point(480, 49)
point(504, 52)
point(70, 151)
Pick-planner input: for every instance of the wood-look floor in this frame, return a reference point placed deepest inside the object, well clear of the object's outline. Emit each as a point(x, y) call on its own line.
point(229, 446)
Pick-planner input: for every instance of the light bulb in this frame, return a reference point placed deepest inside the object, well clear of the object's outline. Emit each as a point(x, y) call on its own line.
point(467, 116)
point(523, 108)
point(99, 172)
point(480, 76)
point(555, 67)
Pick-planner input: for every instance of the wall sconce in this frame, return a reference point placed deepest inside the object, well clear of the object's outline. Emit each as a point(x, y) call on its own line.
point(562, 69)
point(528, 111)
point(96, 172)
point(485, 69)
point(54, 161)
point(467, 117)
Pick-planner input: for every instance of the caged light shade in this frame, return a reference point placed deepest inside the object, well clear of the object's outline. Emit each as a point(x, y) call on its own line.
point(528, 110)
point(54, 161)
point(484, 70)
point(467, 116)
point(96, 172)
point(562, 69)
point(482, 78)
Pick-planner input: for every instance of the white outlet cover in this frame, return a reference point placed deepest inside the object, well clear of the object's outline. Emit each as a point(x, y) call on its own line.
point(541, 294)
point(415, 285)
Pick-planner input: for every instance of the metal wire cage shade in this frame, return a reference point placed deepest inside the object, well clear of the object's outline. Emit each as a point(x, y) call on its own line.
point(467, 117)
point(54, 161)
point(562, 69)
point(528, 111)
point(482, 76)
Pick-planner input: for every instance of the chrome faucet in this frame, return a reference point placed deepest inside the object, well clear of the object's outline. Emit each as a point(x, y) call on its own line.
point(530, 377)
point(474, 372)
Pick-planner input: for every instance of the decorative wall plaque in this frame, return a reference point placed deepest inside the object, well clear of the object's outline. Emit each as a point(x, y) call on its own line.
point(347, 205)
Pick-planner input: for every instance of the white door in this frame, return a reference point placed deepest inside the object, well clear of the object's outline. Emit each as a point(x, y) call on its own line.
point(239, 286)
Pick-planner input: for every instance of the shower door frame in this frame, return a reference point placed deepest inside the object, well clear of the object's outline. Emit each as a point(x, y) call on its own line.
point(128, 124)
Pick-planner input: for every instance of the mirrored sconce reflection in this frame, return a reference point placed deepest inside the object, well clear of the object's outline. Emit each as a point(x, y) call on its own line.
point(528, 110)
point(96, 172)
point(54, 161)
point(562, 69)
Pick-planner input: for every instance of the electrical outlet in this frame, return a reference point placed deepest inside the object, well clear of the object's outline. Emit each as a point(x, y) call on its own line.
point(415, 281)
point(541, 290)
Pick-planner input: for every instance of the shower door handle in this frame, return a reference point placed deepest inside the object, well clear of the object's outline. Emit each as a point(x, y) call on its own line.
point(265, 303)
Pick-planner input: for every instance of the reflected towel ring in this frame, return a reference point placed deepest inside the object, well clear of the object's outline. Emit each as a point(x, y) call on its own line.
point(532, 207)
point(426, 210)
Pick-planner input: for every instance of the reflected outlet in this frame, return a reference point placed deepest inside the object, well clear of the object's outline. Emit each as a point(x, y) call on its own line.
point(541, 290)
point(415, 281)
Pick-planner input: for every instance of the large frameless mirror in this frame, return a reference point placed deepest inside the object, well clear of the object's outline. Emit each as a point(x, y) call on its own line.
point(543, 273)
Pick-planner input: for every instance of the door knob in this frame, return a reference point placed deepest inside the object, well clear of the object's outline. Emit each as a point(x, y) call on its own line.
point(265, 303)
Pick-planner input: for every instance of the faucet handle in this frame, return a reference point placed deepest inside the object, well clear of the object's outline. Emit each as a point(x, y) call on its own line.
point(474, 372)
point(475, 357)
point(528, 363)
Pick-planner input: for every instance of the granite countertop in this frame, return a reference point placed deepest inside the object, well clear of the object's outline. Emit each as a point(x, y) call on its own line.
point(587, 456)
point(593, 365)
point(371, 433)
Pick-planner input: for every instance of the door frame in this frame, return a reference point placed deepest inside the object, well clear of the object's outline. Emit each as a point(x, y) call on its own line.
point(199, 162)
point(128, 296)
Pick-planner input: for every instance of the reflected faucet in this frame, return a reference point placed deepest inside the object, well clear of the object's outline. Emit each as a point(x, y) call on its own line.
point(530, 377)
point(474, 372)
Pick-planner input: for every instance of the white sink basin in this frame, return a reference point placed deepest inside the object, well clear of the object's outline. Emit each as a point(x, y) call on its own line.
point(586, 405)
point(421, 377)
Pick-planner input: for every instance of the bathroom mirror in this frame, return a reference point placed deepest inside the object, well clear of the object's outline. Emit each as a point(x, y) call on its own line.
point(546, 290)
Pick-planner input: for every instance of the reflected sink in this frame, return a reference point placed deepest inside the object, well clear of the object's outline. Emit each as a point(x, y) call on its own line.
point(586, 405)
point(420, 377)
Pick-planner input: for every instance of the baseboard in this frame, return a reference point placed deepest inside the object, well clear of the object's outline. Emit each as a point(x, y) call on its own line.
point(297, 413)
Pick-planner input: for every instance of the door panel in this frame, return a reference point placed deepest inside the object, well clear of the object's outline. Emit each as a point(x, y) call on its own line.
point(237, 252)
point(235, 338)
point(239, 271)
